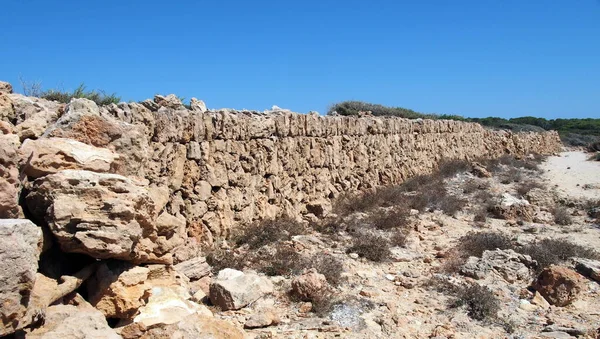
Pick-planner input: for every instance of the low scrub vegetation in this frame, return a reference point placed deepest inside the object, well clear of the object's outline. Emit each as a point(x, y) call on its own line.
point(556, 251)
point(527, 185)
point(100, 97)
point(330, 266)
point(562, 216)
point(280, 260)
point(269, 231)
point(475, 243)
point(480, 302)
point(370, 246)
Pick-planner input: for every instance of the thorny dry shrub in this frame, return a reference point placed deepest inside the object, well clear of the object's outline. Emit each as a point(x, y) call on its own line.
point(220, 259)
point(391, 219)
point(511, 175)
point(480, 301)
point(398, 237)
point(594, 147)
point(451, 167)
point(561, 215)
point(508, 161)
point(370, 246)
point(266, 232)
point(473, 244)
point(282, 260)
point(556, 251)
point(329, 266)
point(475, 185)
point(525, 186)
point(481, 214)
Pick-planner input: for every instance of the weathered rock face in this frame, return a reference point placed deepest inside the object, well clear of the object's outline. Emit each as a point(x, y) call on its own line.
point(72, 322)
point(10, 185)
point(232, 289)
point(102, 215)
point(119, 289)
point(20, 244)
point(511, 266)
point(169, 305)
point(51, 155)
point(511, 208)
point(309, 286)
point(559, 285)
point(83, 122)
point(589, 268)
point(222, 168)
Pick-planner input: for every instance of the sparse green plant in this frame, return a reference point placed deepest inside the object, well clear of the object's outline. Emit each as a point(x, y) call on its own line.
point(371, 246)
point(562, 216)
point(269, 231)
point(99, 97)
point(548, 252)
point(480, 301)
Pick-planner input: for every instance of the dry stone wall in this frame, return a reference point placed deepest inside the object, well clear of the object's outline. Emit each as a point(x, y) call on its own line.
point(216, 169)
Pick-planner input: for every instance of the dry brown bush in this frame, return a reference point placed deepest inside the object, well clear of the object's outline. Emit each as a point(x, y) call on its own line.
point(480, 301)
point(450, 168)
point(475, 243)
point(281, 260)
point(556, 251)
point(562, 216)
point(330, 266)
point(219, 259)
point(269, 231)
point(527, 185)
point(371, 246)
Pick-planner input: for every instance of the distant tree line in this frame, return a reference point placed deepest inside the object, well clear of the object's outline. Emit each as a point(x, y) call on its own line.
point(574, 132)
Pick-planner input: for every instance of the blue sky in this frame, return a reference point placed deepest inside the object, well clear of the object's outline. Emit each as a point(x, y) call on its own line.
point(473, 57)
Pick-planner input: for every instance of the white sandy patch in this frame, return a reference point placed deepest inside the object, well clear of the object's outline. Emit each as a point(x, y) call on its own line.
point(573, 175)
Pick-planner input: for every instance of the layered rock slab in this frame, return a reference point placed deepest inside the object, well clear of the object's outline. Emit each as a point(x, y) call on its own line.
point(105, 216)
point(20, 245)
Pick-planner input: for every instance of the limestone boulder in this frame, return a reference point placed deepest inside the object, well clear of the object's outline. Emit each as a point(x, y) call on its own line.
point(511, 208)
point(47, 156)
point(195, 268)
point(73, 322)
point(10, 185)
point(232, 289)
point(169, 305)
point(589, 268)
point(34, 115)
point(20, 246)
point(170, 101)
point(118, 289)
point(511, 266)
point(106, 216)
point(197, 105)
point(309, 286)
point(7, 109)
point(83, 122)
point(194, 326)
point(5, 87)
point(560, 286)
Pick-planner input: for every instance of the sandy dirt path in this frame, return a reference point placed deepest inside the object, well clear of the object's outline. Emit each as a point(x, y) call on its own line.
point(573, 175)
